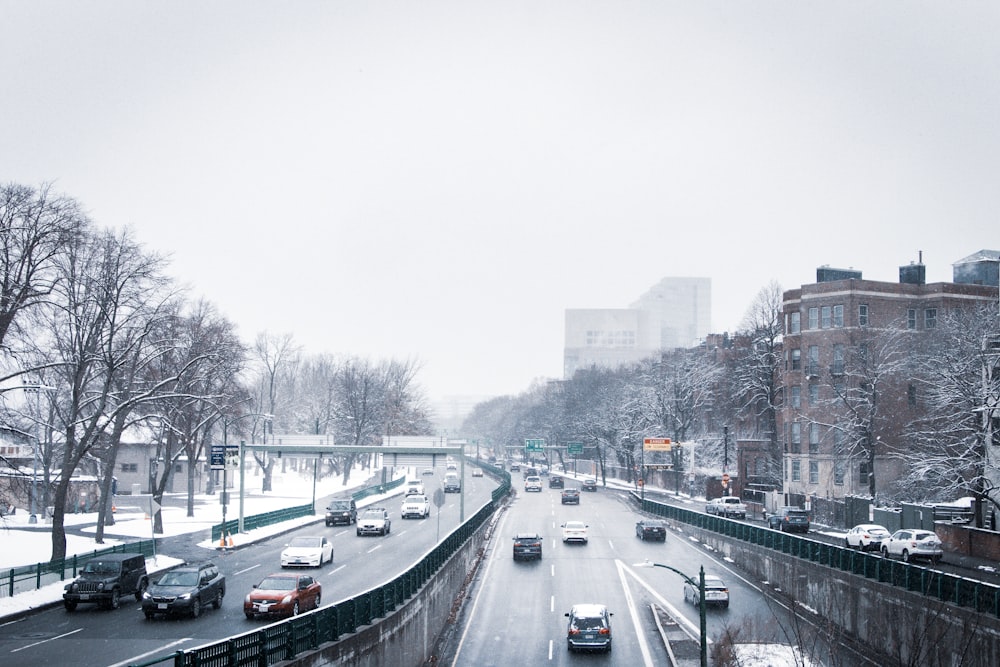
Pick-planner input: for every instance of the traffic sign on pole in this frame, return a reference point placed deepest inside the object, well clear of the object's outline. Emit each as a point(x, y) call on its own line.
point(656, 444)
point(534, 445)
point(574, 448)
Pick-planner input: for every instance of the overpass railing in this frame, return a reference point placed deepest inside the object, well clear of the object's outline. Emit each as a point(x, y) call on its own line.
point(978, 595)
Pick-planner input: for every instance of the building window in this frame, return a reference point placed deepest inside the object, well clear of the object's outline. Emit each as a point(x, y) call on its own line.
point(796, 438)
point(130, 467)
point(838, 360)
point(825, 317)
point(911, 318)
point(813, 368)
point(911, 396)
point(838, 316)
point(813, 394)
point(794, 322)
point(838, 472)
point(814, 438)
point(796, 471)
point(814, 318)
point(784, 470)
point(930, 318)
point(796, 360)
point(796, 397)
point(814, 472)
point(863, 474)
point(863, 315)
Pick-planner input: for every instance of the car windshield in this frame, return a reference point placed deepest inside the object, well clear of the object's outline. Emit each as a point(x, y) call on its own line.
point(373, 514)
point(278, 584)
point(575, 525)
point(184, 578)
point(100, 567)
point(343, 505)
point(653, 524)
point(305, 542)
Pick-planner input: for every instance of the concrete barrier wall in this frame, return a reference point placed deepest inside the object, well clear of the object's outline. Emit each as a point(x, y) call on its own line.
point(906, 627)
point(407, 637)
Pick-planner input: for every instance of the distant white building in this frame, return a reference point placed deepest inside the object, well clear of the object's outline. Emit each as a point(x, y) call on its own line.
point(674, 313)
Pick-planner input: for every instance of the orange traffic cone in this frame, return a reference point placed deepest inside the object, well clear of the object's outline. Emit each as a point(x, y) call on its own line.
point(230, 540)
point(222, 542)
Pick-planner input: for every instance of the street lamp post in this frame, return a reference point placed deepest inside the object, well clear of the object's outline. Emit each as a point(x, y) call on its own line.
point(37, 390)
point(700, 585)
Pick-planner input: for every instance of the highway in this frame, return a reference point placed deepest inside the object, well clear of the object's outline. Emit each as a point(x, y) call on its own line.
point(90, 636)
point(516, 613)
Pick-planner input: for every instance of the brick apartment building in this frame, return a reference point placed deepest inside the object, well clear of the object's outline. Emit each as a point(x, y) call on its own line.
point(827, 324)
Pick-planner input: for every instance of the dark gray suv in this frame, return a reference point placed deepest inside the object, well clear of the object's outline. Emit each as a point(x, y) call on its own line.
point(106, 579)
point(185, 590)
point(341, 510)
point(789, 520)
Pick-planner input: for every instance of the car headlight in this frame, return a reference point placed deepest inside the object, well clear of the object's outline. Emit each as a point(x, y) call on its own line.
point(146, 595)
point(186, 596)
point(246, 600)
point(100, 586)
point(286, 599)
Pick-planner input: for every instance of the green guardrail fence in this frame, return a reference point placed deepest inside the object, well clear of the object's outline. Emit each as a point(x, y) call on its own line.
point(978, 595)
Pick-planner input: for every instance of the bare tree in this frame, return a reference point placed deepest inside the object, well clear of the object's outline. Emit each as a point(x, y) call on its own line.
point(273, 354)
point(36, 228)
point(757, 377)
point(954, 446)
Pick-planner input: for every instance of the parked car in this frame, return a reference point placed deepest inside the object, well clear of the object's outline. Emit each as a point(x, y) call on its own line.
point(452, 484)
point(866, 536)
point(789, 520)
point(570, 497)
point(104, 580)
point(374, 521)
point(716, 592)
point(556, 482)
point(651, 529)
point(414, 487)
point(417, 507)
point(307, 551)
point(527, 546)
point(574, 531)
point(589, 484)
point(185, 590)
point(589, 628)
point(727, 506)
point(341, 510)
point(909, 543)
point(533, 483)
point(282, 595)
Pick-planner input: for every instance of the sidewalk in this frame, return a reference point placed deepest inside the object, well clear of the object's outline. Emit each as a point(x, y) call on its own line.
point(28, 544)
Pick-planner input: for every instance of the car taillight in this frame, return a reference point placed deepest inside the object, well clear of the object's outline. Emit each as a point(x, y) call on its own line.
point(574, 631)
point(604, 631)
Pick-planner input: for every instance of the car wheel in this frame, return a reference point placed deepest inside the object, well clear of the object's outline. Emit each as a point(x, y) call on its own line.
point(848, 545)
point(217, 602)
point(70, 606)
point(317, 601)
point(359, 533)
point(906, 556)
point(115, 602)
point(885, 552)
point(196, 607)
point(295, 608)
point(249, 615)
point(149, 615)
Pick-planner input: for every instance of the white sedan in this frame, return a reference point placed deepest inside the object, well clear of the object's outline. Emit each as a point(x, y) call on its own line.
point(574, 531)
point(307, 552)
point(866, 536)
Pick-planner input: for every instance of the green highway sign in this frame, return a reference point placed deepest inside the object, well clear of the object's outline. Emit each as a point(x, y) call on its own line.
point(574, 448)
point(536, 445)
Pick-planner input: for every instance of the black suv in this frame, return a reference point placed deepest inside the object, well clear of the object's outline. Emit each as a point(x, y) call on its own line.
point(556, 482)
point(527, 546)
point(105, 579)
point(185, 590)
point(341, 510)
point(789, 519)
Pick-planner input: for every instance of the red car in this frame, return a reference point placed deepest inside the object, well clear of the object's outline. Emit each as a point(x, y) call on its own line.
point(282, 594)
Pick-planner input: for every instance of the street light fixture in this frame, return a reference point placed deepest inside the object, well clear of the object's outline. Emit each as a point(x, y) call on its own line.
point(37, 390)
point(700, 585)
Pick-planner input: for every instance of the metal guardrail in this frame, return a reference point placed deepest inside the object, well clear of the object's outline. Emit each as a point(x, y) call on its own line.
point(306, 632)
point(978, 595)
point(24, 578)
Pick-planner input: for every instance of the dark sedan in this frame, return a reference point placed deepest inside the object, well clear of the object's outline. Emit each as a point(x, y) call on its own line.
point(570, 497)
point(651, 529)
point(185, 590)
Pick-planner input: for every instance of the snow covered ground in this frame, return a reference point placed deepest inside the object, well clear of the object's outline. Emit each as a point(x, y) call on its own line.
point(19, 546)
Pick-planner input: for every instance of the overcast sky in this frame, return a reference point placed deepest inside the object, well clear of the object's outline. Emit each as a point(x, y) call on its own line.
point(440, 180)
